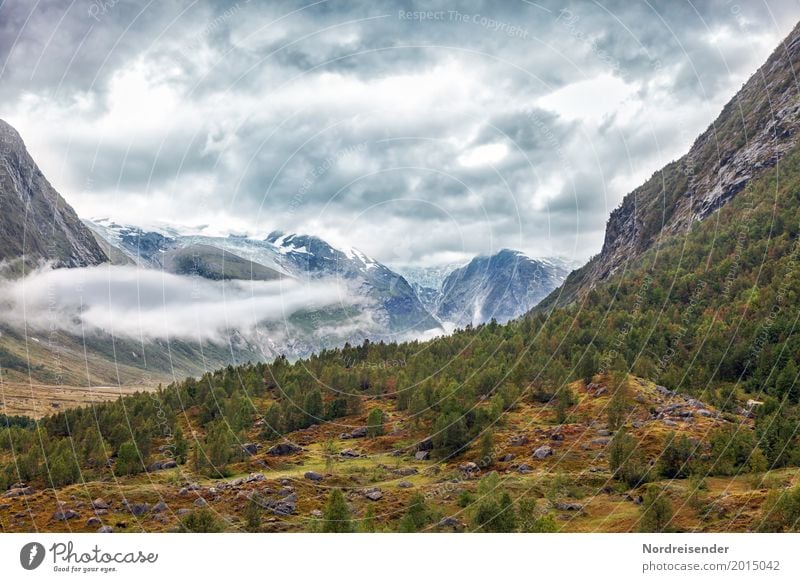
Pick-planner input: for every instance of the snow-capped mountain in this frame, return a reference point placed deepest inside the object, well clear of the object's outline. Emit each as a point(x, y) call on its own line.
point(502, 287)
point(394, 306)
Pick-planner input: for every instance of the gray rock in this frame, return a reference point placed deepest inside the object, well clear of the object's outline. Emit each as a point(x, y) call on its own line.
point(518, 440)
point(65, 514)
point(543, 452)
point(405, 471)
point(523, 468)
point(137, 509)
point(316, 513)
point(603, 432)
point(313, 476)
point(255, 477)
point(359, 433)
point(601, 441)
point(251, 448)
point(200, 502)
point(405, 484)
point(422, 455)
point(160, 507)
point(350, 454)
point(469, 468)
point(183, 511)
point(373, 494)
point(565, 506)
point(508, 457)
point(450, 522)
point(283, 449)
point(106, 529)
point(100, 503)
point(18, 492)
point(93, 521)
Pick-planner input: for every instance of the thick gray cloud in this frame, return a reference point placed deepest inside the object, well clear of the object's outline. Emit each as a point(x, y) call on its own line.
point(420, 132)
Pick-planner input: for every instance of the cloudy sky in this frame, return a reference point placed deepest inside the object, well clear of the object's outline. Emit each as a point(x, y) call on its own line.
point(420, 138)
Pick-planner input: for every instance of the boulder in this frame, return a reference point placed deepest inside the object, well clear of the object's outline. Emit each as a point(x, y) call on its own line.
point(93, 521)
point(422, 455)
point(64, 514)
point(200, 502)
point(523, 468)
point(255, 477)
point(543, 452)
point(373, 494)
point(506, 458)
point(106, 529)
point(349, 454)
point(405, 484)
point(450, 522)
point(19, 491)
point(566, 506)
point(557, 436)
point(137, 509)
point(160, 507)
point(359, 433)
point(313, 476)
point(250, 448)
point(283, 449)
point(518, 440)
point(603, 432)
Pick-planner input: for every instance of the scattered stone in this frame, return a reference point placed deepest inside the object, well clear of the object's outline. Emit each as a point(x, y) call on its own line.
point(557, 436)
point(106, 529)
point(603, 432)
point(19, 491)
point(64, 515)
point(601, 441)
point(316, 513)
point(313, 476)
point(255, 477)
point(93, 521)
point(359, 433)
point(425, 444)
point(469, 468)
point(251, 448)
point(200, 502)
point(159, 507)
point(565, 506)
point(183, 511)
point(506, 458)
point(703, 412)
point(523, 468)
point(422, 455)
point(405, 471)
point(373, 494)
point(350, 454)
point(162, 465)
point(405, 484)
point(450, 522)
point(137, 509)
point(600, 392)
point(668, 422)
point(283, 449)
point(518, 440)
point(543, 452)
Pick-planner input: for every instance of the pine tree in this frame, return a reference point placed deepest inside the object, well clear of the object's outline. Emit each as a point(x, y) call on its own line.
point(336, 517)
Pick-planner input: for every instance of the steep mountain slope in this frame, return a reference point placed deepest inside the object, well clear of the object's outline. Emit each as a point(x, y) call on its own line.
point(502, 287)
point(309, 257)
point(215, 263)
point(752, 134)
point(35, 222)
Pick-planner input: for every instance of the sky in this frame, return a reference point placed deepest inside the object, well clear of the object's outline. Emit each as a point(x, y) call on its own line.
point(422, 133)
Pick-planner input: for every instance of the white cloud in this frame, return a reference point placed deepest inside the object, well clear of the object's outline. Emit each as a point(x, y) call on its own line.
point(146, 304)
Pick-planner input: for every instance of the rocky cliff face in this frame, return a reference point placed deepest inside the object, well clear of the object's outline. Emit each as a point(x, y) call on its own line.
point(36, 224)
point(750, 136)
